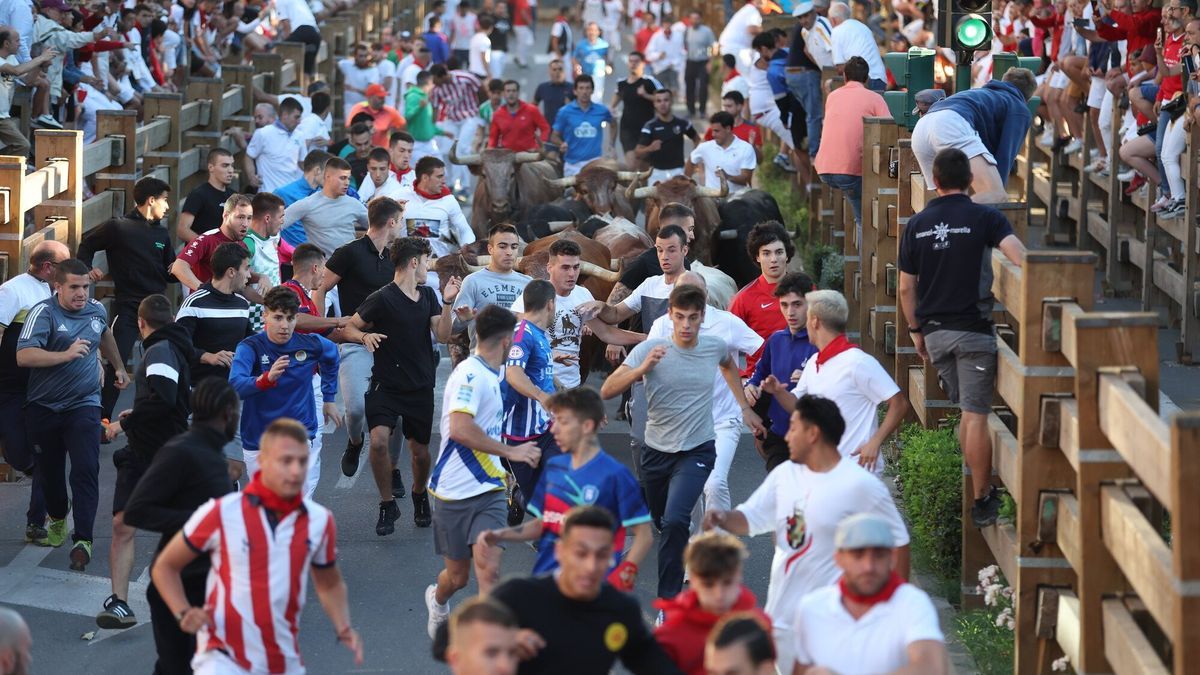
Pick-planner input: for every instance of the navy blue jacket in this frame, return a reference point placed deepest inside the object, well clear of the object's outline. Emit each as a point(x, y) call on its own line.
point(999, 113)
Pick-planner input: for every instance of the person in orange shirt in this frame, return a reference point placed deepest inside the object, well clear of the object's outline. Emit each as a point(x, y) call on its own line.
point(386, 118)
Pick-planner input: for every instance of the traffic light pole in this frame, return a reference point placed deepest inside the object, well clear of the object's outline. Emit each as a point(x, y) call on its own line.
point(962, 71)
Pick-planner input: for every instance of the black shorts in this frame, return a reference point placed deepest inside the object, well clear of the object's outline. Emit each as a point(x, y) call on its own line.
point(414, 408)
point(775, 450)
point(130, 469)
point(629, 138)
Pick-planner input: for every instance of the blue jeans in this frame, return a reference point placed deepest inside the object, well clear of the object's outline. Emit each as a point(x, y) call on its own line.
point(852, 186)
point(673, 481)
point(57, 435)
point(806, 87)
point(1160, 133)
point(877, 85)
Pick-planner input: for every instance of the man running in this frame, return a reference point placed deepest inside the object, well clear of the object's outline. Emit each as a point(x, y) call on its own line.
point(231, 532)
point(517, 125)
point(497, 284)
point(769, 245)
point(483, 639)
point(582, 129)
point(193, 267)
point(661, 140)
point(432, 212)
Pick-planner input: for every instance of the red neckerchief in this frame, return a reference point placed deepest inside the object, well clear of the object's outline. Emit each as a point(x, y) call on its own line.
point(445, 191)
point(732, 74)
point(884, 594)
point(269, 499)
point(398, 173)
point(840, 344)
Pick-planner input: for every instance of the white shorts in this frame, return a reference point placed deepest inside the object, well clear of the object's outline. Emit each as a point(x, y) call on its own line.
point(1096, 93)
point(573, 168)
point(660, 175)
point(1059, 80)
point(940, 130)
point(422, 149)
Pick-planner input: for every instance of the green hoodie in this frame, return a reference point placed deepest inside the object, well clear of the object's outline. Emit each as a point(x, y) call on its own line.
point(419, 115)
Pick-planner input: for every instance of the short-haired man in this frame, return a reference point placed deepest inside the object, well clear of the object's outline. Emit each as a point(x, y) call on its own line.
point(647, 264)
point(139, 252)
point(724, 159)
point(801, 503)
point(848, 376)
point(456, 94)
point(769, 245)
point(355, 147)
point(591, 57)
point(273, 597)
point(903, 631)
point(194, 266)
point(851, 37)
point(217, 315)
point(358, 74)
point(769, 98)
point(679, 449)
point(203, 210)
point(262, 238)
point(468, 478)
point(418, 110)
point(381, 180)
point(330, 217)
point(988, 124)
point(273, 156)
point(734, 103)
point(398, 324)
point(479, 49)
point(635, 96)
point(15, 63)
point(581, 128)
point(273, 373)
point(16, 641)
point(160, 411)
point(432, 212)
point(517, 125)
point(308, 264)
point(660, 142)
point(554, 93)
point(483, 639)
point(945, 294)
point(740, 644)
point(59, 344)
point(715, 590)
point(497, 284)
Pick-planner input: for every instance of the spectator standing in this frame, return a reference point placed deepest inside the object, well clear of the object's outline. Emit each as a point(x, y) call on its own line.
point(517, 125)
point(204, 207)
point(273, 155)
point(699, 41)
point(358, 73)
point(635, 97)
point(769, 245)
point(661, 139)
point(591, 58)
point(726, 159)
point(553, 94)
point(419, 112)
point(811, 50)
point(583, 129)
point(461, 28)
point(330, 217)
point(436, 41)
point(49, 33)
point(740, 31)
point(385, 119)
point(851, 37)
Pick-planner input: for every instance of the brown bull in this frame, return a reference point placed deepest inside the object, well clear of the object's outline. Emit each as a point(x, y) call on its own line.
point(701, 199)
point(509, 182)
point(596, 185)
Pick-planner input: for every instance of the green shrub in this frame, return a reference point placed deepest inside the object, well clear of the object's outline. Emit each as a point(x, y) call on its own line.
point(825, 265)
point(929, 476)
point(990, 645)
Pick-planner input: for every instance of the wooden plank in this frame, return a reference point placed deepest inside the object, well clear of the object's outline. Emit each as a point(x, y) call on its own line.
point(1125, 645)
point(1067, 625)
point(1067, 533)
point(231, 102)
point(1137, 433)
point(1141, 554)
point(1002, 540)
point(101, 207)
point(1005, 453)
point(45, 184)
point(194, 114)
point(152, 136)
point(1006, 284)
point(102, 154)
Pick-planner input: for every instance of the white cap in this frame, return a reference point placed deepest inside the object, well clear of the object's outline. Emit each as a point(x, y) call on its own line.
point(802, 8)
point(863, 530)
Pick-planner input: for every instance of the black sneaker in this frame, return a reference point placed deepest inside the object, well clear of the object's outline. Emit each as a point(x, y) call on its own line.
point(422, 516)
point(389, 513)
point(398, 490)
point(116, 615)
point(985, 511)
point(350, 458)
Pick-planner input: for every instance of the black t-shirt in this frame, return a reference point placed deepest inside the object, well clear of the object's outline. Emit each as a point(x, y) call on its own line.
point(363, 270)
point(402, 360)
point(555, 96)
point(797, 57)
point(499, 34)
point(207, 205)
point(671, 133)
point(636, 110)
point(948, 246)
point(643, 267)
point(583, 638)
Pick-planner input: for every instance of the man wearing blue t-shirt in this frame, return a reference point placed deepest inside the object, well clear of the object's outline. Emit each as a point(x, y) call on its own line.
point(580, 128)
point(584, 475)
point(591, 58)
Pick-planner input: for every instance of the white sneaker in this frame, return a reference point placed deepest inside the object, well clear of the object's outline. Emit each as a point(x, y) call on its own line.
point(1046, 139)
point(1094, 153)
point(1097, 166)
point(1127, 175)
point(437, 613)
point(1073, 147)
point(1162, 203)
point(47, 121)
point(1176, 208)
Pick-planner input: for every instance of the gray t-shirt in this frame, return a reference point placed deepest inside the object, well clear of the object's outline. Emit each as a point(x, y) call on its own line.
point(76, 383)
point(699, 41)
point(328, 223)
point(679, 392)
point(486, 287)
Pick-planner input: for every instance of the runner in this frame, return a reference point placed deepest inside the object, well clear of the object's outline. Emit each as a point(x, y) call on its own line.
point(497, 284)
point(193, 267)
point(262, 238)
point(661, 140)
point(468, 479)
point(740, 645)
point(582, 129)
point(483, 639)
point(679, 449)
point(401, 317)
point(303, 532)
point(203, 208)
point(769, 245)
point(432, 212)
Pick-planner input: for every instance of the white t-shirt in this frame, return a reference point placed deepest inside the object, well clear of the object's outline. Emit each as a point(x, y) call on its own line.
point(565, 332)
point(296, 12)
point(359, 78)
point(650, 298)
point(479, 49)
point(819, 40)
point(828, 636)
point(856, 382)
point(439, 220)
point(276, 155)
point(461, 472)
point(387, 69)
point(7, 84)
point(736, 334)
point(18, 295)
point(310, 127)
point(853, 38)
point(761, 98)
point(802, 508)
point(390, 188)
point(732, 160)
point(736, 35)
point(736, 83)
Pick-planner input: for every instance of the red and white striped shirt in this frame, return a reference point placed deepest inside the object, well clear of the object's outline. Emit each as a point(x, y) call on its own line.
point(457, 100)
point(258, 580)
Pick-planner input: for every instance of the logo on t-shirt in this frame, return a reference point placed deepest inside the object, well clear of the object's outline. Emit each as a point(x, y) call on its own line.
point(97, 326)
point(615, 636)
point(564, 331)
point(424, 227)
point(585, 130)
point(590, 493)
point(797, 530)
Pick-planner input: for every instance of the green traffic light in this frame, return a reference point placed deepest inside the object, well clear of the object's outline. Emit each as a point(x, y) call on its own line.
point(972, 32)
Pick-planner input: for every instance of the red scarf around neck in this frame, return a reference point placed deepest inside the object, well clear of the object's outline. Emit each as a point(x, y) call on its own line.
point(884, 594)
point(269, 499)
point(840, 344)
point(445, 191)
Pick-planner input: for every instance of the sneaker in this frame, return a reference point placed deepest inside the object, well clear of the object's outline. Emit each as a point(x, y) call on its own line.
point(785, 163)
point(1127, 175)
point(1176, 209)
point(1047, 138)
point(1104, 171)
point(1135, 185)
point(422, 516)
point(398, 490)
point(1097, 166)
point(437, 613)
point(350, 458)
point(1162, 203)
point(389, 513)
point(34, 533)
point(46, 121)
point(56, 534)
point(116, 615)
point(81, 555)
point(985, 511)
point(1073, 146)
point(1060, 143)
point(659, 618)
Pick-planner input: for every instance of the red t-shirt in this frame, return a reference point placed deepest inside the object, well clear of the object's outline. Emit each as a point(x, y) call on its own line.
point(747, 131)
point(515, 131)
point(757, 305)
point(642, 38)
point(198, 254)
point(307, 306)
point(1171, 84)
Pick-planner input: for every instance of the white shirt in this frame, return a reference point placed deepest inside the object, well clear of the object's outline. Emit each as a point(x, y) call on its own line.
point(819, 40)
point(359, 78)
point(802, 508)
point(296, 12)
point(761, 98)
point(665, 52)
point(736, 83)
point(460, 472)
point(310, 127)
point(461, 28)
point(736, 35)
point(650, 298)
point(387, 69)
point(853, 38)
point(732, 160)
point(276, 154)
point(390, 188)
point(18, 295)
point(408, 77)
point(826, 635)
point(479, 49)
point(593, 10)
point(565, 332)
point(440, 220)
point(7, 84)
point(856, 382)
point(736, 334)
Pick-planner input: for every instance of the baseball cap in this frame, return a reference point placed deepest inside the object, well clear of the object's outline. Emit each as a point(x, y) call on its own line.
point(377, 90)
point(928, 97)
point(863, 530)
point(802, 9)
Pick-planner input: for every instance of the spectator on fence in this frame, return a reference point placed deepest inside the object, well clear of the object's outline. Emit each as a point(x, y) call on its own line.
point(204, 207)
point(851, 37)
point(273, 156)
point(296, 23)
point(811, 50)
point(740, 644)
point(49, 33)
point(768, 106)
point(945, 294)
point(12, 141)
point(988, 124)
point(742, 28)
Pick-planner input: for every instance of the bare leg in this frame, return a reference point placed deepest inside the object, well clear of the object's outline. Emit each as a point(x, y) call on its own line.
point(977, 450)
point(452, 579)
point(986, 184)
point(420, 465)
point(381, 462)
point(120, 556)
point(1139, 154)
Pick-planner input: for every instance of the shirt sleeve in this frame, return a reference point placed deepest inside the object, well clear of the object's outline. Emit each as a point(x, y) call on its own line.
point(762, 367)
point(202, 532)
point(759, 507)
point(466, 398)
point(195, 251)
point(644, 136)
point(634, 301)
point(906, 260)
point(36, 332)
point(801, 387)
point(921, 620)
point(329, 370)
point(638, 353)
point(10, 306)
point(255, 148)
point(518, 354)
point(326, 553)
point(745, 340)
point(885, 507)
point(873, 381)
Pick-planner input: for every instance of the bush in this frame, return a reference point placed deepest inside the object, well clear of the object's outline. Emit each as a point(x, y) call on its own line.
point(825, 265)
point(929, 476)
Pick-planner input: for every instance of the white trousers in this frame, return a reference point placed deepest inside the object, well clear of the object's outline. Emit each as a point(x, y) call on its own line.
point(499, 58)
point(1172, 147)
point(716, 488)
point(457, 175)
point(1106, 124)
point(423, 149)
point(524, 37)
point(250, 457)
point(770, 119)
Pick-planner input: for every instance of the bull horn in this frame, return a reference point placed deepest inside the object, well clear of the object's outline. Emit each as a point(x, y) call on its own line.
point(633, 175)
point(567, 182)
point(594, 270)
point(719, 193)
point(727, 234)
point(614, 263)
point(523, 157)
point(644, 192)
point(559, 225)
point(466, 160)
point(474, 268)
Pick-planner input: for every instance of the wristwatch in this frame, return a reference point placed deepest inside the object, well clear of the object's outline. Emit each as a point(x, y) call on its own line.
point(914, 329)
point(180, 614)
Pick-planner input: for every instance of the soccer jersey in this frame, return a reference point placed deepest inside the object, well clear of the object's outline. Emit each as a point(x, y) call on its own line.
point(566, 332)
point(525, 418)
point(264, 261)
point(603, 482)
point(307, 306)
point(258, 580)
point(461, 472)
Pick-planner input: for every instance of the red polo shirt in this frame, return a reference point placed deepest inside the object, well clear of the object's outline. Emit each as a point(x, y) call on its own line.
point(757, 305)
point(515, 131)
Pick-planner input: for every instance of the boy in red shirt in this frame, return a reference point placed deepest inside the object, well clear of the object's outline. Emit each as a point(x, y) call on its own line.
point(769, 245)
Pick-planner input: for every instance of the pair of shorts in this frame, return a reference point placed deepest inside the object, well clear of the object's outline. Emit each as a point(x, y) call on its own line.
point(1059, 80)
point(629, 138)
point(130, 469)
point(943, 129)
point(775, 450)
point(456, 524)
point(415, 408)
point(1096, 92)
point(966, 366)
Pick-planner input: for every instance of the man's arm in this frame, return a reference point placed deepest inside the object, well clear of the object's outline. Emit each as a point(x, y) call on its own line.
point(733, 521)
point(624, 376)
point(611, 335)
point(330, 280)
point(599, 310)
point(465, 431)
point(251, 170)
point(165, 573)
point(183, 226)
point(643, 540)
point(518, 380)
point(1013, 249)
point(869, 451)
point(25, 68)
point(331, 591)
point(733, 379)
point(183, 272)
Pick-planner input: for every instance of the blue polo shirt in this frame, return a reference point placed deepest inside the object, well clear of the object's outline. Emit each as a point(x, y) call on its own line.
point(782, 355)
point(591, 56)
point(583, 130)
